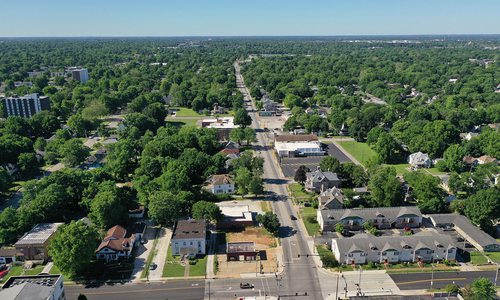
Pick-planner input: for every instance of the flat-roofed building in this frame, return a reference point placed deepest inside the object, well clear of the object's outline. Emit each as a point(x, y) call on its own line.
point(35, 287)
point(79, 74)
point(241, 251)
point(25, 106)
point(223, 125)
point(34, 244)
point(235, 215)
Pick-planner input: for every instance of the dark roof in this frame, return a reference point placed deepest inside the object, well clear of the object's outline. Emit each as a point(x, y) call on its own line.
point(319, 176)
point(390, 213)
point(480, 237)
point(44, 280)
point(189, 229)
point(8, 252)
point(296, 138)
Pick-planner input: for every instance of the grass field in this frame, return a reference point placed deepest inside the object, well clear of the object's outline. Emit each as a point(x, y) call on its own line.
point(199, 268)
point(361, 151)
point(186, 112)
point(298, 192)
point(182, 122)
point(478, 258)
point(308, 215)
point(172, 266)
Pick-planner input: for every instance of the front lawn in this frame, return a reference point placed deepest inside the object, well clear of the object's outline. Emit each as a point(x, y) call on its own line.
point(308, 215)
point(172, 267)
point(299, 194)
point(478, 258)
point(361, 151)
point(199, 268)
point(186, 112)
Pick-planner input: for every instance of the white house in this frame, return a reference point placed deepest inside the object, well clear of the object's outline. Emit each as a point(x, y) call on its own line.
point(115, 245)
point(189, 238)
point(221, 184)
point(420, 160)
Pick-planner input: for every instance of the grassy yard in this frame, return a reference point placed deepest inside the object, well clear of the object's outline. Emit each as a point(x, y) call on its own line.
point(182, 122)
point(186, 112)
point(298, 193)
point(172, 266)
point(361, 151)
point(308, 215)
point(199, 268)
point(478, 258)
point(401, 169)
point(18, 271)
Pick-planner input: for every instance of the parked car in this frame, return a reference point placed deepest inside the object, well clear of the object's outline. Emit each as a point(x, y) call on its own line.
point(246, 285)
point(153, 266)
point(293, 217)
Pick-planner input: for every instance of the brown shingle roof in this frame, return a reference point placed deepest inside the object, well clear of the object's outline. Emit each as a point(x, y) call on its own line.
point(188, 229)
point(115, 239)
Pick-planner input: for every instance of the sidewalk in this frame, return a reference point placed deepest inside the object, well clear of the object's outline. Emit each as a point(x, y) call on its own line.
point(142, 253)
point(211, 256)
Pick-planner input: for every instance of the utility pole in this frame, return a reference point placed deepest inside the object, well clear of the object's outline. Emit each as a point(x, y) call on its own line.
point(209, 290)
point(496, 275)
point(359, 281)
point(336, 288)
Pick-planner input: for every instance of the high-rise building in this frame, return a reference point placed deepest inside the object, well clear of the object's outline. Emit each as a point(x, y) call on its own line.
point(80, 74)
point(25, 106)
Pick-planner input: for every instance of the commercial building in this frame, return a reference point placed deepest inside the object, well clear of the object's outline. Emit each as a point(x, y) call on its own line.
point(223, 125)
point(241, 251)
point(463, 226)
point(381, 217)
point(235, 215)
point(25, 106)
point(421, 247)
point(36, 287)
point(34, 244)
point(294, 145)
point(189, 238)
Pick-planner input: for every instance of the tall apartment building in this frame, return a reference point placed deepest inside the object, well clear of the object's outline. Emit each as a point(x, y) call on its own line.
point(25, 106)
point(80, 74)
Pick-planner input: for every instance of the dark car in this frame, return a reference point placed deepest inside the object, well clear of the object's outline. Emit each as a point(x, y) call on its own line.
point(246, 285)
point(153, 266)
point(293, 217)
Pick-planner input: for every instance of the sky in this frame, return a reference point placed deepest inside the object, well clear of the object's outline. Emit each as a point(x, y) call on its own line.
point(48, 18)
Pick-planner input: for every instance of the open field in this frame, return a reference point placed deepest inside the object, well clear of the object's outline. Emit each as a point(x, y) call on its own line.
point(308, 215)
point(361, 151)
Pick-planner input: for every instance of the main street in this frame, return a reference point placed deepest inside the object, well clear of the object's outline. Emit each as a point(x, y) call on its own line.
point(179, 289)
point(299, 276)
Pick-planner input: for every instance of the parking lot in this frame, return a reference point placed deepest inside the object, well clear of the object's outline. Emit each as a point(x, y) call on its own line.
point(290, 165)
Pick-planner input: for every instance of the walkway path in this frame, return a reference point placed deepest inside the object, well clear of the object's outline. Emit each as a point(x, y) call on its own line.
point(47, 267)
point(161, 253)
point(211, 256)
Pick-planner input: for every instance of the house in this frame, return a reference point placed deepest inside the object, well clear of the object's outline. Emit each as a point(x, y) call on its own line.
point(463, 226)
point(241, 251)
point(420, 160)
point(318, 180)
point(331, 199)
point(34, 244)
point(344, 131)
point(420, 247)
point(34, 287)
point(470, 161)
point(10, 168)
point(381, 217)
point(485, 159)
point(7, 255)
point(230, 158)
point(189, 238)
point(136, 213)
point(115, 244)
point(221, 184)
point(469, 135)
point(299, 131)
point(217, 110)
point(231, 148)
point(235, 215)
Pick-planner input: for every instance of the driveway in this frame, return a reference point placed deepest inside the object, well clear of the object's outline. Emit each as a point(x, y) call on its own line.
point(161, 253)
point(142, 252)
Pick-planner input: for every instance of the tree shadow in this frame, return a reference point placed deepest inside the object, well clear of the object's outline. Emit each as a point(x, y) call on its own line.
point(286, 231)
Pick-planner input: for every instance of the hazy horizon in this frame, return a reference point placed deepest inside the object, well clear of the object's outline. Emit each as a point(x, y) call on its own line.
point(226, 18)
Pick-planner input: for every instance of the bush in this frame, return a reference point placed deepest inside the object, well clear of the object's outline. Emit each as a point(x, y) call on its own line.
point(371, 265)
point(311, 219)
point(193, 261)
point(452, 288)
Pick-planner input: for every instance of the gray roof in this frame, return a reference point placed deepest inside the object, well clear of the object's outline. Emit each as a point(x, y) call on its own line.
point(480, 237)
point(390, 213)
point(39, 234)
point(367, 243)
point(238, 247)
point(320, 176)
point(331, 194)
point(35, 287)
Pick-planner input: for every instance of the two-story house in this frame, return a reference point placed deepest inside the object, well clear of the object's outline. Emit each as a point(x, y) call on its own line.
point(189, 238)
point(331, 199)
point(221, 184)
point(115, 244)
point(319, 181)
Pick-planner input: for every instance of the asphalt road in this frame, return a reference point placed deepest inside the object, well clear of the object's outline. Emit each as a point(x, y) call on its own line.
point(417, 281)
point(181, 289)
point(300, 275)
